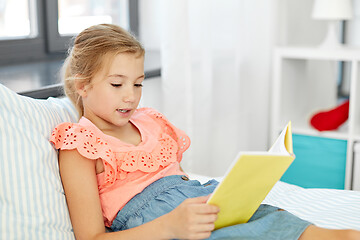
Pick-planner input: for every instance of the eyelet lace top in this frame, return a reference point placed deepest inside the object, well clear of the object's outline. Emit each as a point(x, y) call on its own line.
point(128, 169)
point(121, 158)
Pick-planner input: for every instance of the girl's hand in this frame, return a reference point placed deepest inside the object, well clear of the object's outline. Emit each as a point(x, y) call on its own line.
point(192, 219)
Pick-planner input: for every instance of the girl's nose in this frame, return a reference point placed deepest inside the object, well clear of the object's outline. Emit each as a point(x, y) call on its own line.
point(129, 95)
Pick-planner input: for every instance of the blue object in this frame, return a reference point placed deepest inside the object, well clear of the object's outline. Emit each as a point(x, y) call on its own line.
point(319, 163)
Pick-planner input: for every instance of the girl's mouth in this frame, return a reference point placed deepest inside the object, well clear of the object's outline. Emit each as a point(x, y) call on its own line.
point(123, 110)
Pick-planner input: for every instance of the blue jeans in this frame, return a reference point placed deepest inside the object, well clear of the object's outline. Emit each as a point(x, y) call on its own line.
point(167, 193)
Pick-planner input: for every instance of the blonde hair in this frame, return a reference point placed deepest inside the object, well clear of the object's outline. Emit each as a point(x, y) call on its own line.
point(85, 57)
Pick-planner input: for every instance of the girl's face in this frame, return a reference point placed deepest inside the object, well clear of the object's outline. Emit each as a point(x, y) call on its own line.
point(114, 94)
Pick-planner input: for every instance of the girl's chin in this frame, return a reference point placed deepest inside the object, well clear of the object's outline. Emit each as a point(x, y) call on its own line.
point(119, 124)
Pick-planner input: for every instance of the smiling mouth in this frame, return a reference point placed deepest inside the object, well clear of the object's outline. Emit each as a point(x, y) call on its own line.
point(123, 110)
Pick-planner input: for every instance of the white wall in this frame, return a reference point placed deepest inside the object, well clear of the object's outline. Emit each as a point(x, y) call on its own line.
point(296, 26)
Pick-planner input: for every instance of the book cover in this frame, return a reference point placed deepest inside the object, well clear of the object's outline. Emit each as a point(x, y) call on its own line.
point(249, 179)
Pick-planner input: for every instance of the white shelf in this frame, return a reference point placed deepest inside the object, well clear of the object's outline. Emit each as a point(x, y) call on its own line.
point(311, 53)
point(325, 134)
point(300, 89)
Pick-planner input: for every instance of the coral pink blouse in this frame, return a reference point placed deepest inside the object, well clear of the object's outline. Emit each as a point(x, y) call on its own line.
point(128, 168)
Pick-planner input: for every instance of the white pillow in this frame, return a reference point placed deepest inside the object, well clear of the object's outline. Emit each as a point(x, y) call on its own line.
point(32, 200)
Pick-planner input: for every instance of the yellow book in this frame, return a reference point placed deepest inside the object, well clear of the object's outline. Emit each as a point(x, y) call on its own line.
point(249, 179)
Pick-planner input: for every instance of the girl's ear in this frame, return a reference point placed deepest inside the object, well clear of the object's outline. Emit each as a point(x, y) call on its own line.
point(80, 88)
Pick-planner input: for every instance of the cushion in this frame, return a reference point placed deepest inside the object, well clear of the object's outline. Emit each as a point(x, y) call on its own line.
point(32, 200)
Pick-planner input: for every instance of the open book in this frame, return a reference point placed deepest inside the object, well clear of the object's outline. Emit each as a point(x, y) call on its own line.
point(249, 179)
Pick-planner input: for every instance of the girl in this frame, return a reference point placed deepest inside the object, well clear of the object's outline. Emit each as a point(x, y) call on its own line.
point(120, 165)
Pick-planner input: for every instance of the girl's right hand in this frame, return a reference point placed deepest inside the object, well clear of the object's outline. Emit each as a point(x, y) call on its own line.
point(192, 219)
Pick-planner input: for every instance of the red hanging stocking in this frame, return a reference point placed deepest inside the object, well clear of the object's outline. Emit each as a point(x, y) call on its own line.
point(332, 119)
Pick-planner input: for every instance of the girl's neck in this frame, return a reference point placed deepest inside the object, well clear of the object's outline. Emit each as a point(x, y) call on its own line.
point(129, 134)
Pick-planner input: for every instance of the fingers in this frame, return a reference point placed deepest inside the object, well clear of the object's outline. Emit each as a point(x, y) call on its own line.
point(205, 227)
point(205, 218)
point(199, 231)
point(205, 208)
point(202, 213)
point(197, 218)
point(199, 205)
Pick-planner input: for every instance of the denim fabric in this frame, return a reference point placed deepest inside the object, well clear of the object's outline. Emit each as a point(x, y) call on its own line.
point(167, 193)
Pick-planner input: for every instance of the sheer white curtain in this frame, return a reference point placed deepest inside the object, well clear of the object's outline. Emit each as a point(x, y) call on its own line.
point(216, 72)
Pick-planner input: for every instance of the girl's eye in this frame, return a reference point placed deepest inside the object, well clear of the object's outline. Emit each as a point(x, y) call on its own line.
point(115, 85)
point(138, 85)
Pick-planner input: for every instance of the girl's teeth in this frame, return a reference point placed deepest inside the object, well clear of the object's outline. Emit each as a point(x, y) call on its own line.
point(123, 111)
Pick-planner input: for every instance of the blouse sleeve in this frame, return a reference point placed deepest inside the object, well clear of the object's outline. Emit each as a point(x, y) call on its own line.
point(181, 138)
point(67, 136)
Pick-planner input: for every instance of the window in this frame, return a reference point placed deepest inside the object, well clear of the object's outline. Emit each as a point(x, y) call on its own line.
point(17, 19)
point(68, 17)
point(37, 29)
point(75, 15)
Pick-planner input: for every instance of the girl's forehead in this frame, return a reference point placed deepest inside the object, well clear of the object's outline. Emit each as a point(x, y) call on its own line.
point(117, 62)
point(125, 62)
